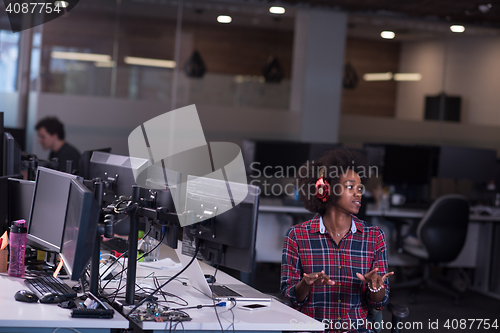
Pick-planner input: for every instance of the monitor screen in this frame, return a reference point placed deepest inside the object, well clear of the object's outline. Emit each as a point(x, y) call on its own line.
point(407, 164)
point(20, 199)
point(12, 156)
point(48, 209)
point(82, 216)
point(280, 158)
point(228, 238)
point(4, 199)
point(473, 164)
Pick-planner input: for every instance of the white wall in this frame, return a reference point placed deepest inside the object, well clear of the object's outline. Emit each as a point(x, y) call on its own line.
point(98, 122)
point(472, 71)
point(8, 105)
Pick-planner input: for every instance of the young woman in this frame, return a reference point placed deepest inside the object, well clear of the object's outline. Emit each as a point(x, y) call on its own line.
point(334, 267)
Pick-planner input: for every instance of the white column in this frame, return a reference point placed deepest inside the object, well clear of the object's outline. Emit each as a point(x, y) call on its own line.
point(317, 72)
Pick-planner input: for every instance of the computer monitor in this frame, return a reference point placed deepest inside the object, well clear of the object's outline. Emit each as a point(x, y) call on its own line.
point(280, 158)
point(48, 209)
point(116, 172)
point(465, 163)
point(409, 164)
point(12, 156)
point(4, 202)
point(82, 217)
point(84, 162)
point(227, 239)
point(20, 199)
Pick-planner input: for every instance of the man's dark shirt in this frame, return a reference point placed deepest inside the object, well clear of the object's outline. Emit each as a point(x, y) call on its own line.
point(66, 153)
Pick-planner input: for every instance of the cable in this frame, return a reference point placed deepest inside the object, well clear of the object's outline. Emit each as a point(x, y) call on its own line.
point(125, 268)
point(176, 275)
point(213, 299)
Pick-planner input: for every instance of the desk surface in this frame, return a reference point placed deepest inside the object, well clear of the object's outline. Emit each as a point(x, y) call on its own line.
point(39, 317)
point(278, 317)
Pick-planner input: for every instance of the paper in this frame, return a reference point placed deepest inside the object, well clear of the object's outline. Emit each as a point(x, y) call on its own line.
point(166, 263)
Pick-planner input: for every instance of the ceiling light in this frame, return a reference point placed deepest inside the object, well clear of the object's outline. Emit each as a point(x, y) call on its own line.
point(387, 34)
point(407, 77)
point(224, 19)
point(377, 76)
point(277, 10)
point(104, 64)
point(80, 56)
point(457, 28)
point(149, 62)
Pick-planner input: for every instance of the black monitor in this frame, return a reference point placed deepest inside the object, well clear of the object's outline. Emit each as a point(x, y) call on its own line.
point(48, 209)
point(19, 135)
point(82, 217)
point(409, 164)
point(20, 199)
point(474, 164)
point(280, 158)
point(227, 239)
point(12, 156)
point(116, 172)
point(84, 162)
point(4, 202)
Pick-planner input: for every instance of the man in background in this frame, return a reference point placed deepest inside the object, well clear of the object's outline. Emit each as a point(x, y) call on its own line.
point(51, 136)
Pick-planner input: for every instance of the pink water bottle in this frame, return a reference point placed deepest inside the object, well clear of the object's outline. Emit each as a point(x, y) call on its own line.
point(18, 235)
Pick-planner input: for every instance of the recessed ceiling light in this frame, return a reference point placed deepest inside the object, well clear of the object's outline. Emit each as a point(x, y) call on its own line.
point(457, 28)
point(387, 34)
point(224, 19)
point(277, 10)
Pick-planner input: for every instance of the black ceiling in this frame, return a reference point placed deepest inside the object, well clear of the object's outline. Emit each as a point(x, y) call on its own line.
point(485, 13)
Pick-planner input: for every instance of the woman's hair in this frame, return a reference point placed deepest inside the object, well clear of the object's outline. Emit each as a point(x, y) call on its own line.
point(336, 163)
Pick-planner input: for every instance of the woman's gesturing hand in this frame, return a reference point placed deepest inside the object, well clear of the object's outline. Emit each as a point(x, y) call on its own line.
point(318, 278)
point(374, 280)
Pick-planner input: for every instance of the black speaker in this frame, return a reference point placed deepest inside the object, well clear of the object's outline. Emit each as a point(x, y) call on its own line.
point(451, 110)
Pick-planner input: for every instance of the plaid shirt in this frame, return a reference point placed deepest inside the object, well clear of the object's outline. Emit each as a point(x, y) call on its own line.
point(309, 248)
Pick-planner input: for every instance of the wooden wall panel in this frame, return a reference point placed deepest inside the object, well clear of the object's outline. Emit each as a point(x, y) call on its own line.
point(375, 98)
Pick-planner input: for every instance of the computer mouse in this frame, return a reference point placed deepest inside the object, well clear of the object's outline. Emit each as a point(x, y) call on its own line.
point(52, 298)
point(210, 278)
point(484, 213)
point(26, 296)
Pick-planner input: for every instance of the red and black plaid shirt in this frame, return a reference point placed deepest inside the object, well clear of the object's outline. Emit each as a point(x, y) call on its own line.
point(309, 248)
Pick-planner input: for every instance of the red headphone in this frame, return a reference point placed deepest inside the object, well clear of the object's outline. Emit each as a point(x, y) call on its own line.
point(322, 186)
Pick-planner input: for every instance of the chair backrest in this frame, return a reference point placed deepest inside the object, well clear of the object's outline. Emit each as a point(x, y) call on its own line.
point(444, 228)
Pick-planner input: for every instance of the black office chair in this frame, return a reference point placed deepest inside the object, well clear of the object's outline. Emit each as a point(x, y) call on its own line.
point(440, 237)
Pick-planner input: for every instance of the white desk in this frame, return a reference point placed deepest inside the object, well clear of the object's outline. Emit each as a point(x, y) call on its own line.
point(36, 317)
point(278, 317)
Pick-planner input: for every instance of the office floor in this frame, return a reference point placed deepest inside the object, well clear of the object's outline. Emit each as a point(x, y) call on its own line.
point(430, 306)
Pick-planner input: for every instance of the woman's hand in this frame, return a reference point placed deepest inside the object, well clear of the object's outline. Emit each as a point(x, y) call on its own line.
point(304, 286)
point(318, 278)
point(374, 279)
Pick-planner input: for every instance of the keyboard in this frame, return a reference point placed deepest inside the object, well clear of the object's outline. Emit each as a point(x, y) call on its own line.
point(223, 291)
point(44, 285)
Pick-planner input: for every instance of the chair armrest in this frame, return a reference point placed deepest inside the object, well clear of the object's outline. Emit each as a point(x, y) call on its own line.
point(398, 311)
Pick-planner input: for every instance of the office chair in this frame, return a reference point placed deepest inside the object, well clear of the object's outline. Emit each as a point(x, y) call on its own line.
point(440, 237)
